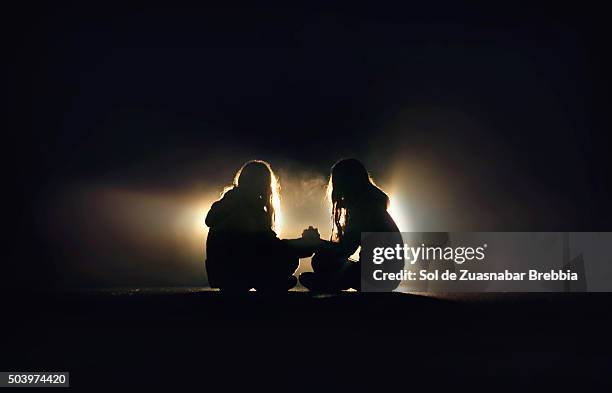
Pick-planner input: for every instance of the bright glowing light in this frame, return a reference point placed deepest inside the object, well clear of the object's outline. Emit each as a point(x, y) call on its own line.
point(398, 213)
point(278, 217)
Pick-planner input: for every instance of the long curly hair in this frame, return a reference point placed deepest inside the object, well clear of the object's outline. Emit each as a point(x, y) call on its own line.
point(256, 180)
point(349, 183)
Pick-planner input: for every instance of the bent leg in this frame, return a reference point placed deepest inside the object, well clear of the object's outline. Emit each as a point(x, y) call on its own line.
point(331, 275)
point(229, 275)
point(277, 285)
point(277, 275)
point(323, 262)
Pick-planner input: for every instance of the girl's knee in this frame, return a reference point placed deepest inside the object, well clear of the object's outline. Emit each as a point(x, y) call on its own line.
point(324, 264)
point(318, 263)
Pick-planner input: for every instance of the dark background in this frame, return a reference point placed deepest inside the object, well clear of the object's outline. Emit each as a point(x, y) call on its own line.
point(502, 105)
point(506, 103)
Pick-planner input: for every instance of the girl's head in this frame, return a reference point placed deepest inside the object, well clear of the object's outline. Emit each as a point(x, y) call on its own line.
point(256, 181)
point(348, 185)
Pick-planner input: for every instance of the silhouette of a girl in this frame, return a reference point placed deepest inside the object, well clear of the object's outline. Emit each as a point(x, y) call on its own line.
point(358, 205)
point(242, 250)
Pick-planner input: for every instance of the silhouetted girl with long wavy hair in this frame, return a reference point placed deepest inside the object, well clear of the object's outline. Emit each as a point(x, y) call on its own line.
point(358, 206)
point(242, 249)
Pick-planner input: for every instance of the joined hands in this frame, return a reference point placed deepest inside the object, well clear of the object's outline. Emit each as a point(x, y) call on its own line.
point(311, 234)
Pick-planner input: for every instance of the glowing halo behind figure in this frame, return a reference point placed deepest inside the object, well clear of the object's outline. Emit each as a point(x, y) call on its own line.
point(398, 212)
point(278, 217)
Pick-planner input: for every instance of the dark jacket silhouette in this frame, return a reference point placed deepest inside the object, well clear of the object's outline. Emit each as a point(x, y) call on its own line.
point(242, 250)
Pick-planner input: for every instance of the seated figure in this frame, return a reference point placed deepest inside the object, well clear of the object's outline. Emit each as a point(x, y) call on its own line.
point(242, 249)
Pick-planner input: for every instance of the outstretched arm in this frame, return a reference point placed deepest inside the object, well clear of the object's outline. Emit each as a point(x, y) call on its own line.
point(307, 244)
point(304, 248)
point(343, 249)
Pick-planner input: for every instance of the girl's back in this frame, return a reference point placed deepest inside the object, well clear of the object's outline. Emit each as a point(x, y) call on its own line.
point(236, 225)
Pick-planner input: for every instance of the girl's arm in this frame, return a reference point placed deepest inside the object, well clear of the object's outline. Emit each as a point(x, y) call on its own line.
point(352, 238)
point(302, 247)
point(343, 249)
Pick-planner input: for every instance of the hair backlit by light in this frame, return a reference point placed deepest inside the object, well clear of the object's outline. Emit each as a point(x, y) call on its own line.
point(278, 218)
point(274, 191)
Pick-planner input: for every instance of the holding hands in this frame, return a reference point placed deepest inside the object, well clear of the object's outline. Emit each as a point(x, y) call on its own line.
point(311, 234)
point(310, 240)
point(308, 244)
